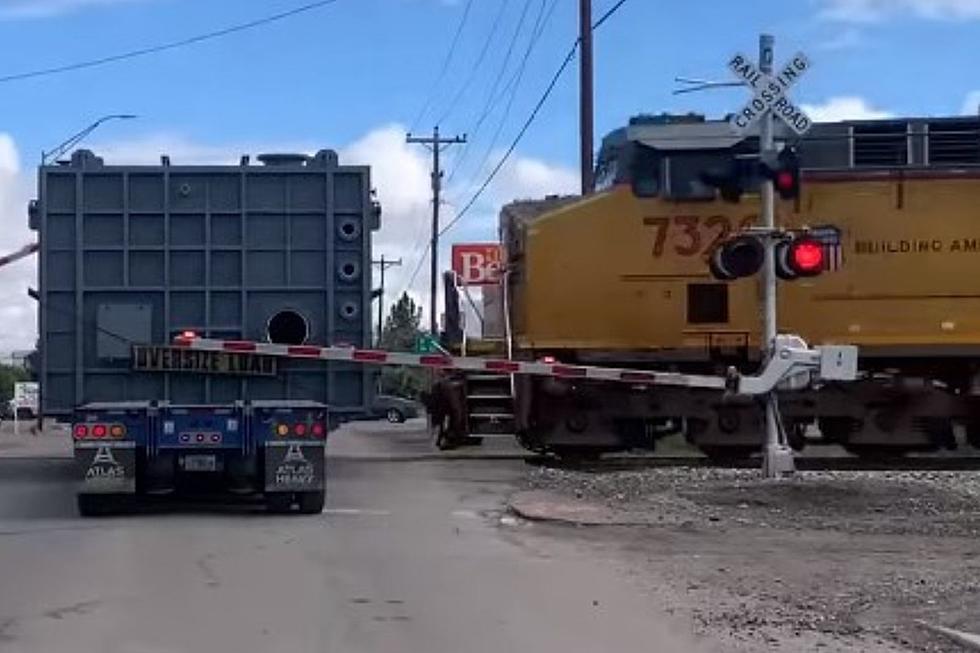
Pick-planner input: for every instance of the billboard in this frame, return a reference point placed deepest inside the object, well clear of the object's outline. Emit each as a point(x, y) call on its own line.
point(477, 264)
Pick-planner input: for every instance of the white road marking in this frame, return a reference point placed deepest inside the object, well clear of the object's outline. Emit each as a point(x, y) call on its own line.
point(356, 511)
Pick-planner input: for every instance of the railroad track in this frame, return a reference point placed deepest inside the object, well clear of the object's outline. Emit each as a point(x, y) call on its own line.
point(803, 463)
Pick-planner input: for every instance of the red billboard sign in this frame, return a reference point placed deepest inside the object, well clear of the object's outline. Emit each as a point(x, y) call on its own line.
point(477, 264)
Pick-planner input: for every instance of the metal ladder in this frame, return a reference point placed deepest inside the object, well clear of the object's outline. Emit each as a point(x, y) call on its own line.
point(489, 405)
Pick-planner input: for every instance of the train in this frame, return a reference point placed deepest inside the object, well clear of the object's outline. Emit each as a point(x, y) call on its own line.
point(621, 277)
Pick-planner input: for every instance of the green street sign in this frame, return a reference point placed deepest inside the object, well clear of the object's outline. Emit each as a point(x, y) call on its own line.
point(426, 344)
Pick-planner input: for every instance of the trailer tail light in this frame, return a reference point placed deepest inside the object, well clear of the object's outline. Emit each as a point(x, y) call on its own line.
point(300, 429)
point(216, 438)
point(117, 431)
point(99, 431)
point(549, 360)
point(199, 438)
point(317, 430)
point(81, 431)
point(282, 430)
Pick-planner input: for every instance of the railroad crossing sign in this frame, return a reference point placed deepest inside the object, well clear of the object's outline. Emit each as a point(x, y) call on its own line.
point(770, 93)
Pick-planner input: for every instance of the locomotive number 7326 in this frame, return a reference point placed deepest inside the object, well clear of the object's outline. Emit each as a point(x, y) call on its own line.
point(692, 235)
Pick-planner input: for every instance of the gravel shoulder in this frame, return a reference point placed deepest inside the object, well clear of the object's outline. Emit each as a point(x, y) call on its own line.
point(835, 561)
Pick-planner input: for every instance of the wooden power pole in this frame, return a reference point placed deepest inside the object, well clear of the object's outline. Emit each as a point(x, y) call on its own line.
point(436, 144)
point(586, 96)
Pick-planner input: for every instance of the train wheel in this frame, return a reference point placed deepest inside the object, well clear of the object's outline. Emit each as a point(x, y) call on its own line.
point(973, 434)
point(571, 454)
point(873, 451)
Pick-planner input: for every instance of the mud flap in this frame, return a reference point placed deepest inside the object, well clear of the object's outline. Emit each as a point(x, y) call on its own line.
point(292, 466)
point(106, 468)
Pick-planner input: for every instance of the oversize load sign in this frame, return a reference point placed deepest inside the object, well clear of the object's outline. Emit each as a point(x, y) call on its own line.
point(176, 359)
point(477, 264)
point(770, 93)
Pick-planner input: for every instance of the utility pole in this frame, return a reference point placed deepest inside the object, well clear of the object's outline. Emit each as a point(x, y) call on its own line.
point(586, 96)
point(384, 265)
point(435, 144)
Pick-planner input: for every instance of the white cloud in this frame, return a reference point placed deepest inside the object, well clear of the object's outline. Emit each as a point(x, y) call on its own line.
point(24, 9)
point(971, 104)
point(18, 313)
point(866, 11)
point(845, 39)
point(844, 108)
point(401, 174)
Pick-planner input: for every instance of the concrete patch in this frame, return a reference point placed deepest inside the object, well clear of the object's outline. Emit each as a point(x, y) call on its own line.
point(542, 505)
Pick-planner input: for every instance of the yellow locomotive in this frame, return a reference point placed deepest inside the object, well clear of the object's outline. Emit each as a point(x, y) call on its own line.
point(621, 277)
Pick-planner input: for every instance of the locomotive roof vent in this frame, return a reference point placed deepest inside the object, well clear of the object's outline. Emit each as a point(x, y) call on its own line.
point(286, 159)
point(953, 142)
point(881, 144)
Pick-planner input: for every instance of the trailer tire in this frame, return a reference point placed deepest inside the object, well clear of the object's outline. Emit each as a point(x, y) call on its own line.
point(98, 505)
point(311, 503)
point(278, 502)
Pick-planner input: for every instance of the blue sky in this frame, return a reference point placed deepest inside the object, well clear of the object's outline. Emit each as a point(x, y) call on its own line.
point(354, 75)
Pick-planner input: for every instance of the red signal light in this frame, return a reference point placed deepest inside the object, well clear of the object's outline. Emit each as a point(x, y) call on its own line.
point(807, 256)
point(300, 429)
point(785, 181)
point(98, 431)
point(81, 431)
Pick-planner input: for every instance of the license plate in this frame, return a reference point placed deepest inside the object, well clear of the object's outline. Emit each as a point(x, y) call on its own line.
point(200, 463)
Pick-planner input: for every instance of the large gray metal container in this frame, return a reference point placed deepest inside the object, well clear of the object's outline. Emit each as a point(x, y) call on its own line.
point(138, 254)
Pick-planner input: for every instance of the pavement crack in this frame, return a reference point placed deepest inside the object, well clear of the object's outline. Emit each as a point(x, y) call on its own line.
point(6, 626)
point(82, 607)
point(210, 577)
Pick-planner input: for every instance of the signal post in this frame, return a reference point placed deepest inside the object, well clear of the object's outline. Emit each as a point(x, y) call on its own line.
point(769, 100)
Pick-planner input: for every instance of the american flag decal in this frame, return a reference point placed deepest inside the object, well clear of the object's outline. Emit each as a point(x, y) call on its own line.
point(829, 237)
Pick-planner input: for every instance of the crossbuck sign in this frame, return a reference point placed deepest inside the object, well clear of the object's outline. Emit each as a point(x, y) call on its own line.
point(770, 93)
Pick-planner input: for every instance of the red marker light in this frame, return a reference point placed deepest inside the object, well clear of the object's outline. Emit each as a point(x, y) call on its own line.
point(785, 180)
point(317, 430)
point(98, 431)
point(807, 256)
point(190, 335)
point(549, 360)
point(300, 429)
point(81, 431)
point(199, 437)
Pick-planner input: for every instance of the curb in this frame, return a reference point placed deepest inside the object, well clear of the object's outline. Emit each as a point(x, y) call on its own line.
point(966, 640)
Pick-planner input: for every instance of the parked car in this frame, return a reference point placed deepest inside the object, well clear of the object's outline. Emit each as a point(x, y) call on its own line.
point(394, 409)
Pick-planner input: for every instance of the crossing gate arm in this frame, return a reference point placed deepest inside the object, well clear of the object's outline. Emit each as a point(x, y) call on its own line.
point(792, 361)
point(24, 251)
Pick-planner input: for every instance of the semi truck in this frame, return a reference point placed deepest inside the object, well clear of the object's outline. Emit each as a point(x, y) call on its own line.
point(132, 258)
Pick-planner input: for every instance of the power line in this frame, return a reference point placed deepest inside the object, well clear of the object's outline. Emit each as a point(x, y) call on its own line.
point(476, 64)
point(530, 119)
point(172, 45)
point(445, 66)
point(492, 98)
point(515, 82)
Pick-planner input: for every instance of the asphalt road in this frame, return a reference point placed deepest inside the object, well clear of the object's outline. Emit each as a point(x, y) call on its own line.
point(408, 556)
